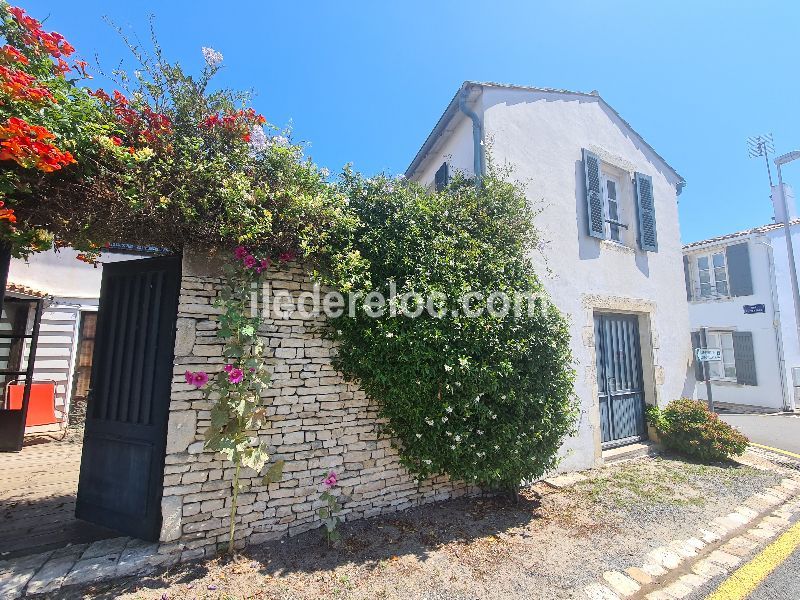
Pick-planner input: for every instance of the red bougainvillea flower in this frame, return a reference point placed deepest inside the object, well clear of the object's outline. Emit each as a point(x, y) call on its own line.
point(7, 214)
point(33, 34)
point(331, 480)
point(29, 146)
point(11, 56)
point(197, 379)
point(235, 375)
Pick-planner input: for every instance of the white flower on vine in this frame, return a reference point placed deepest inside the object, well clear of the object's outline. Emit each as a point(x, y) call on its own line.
point(429, 421)
point(494, 416)
point(477, 399)
point(419, 435)
point(448, 409)
point(390, 335)
point(496, 447)
point(444, 419)
point(457, 438)
point(479, 432)
point(426, 461)
point(453, 447)
point(448, 433)
point(212, 57)
point(448, 368)
point(503, 397)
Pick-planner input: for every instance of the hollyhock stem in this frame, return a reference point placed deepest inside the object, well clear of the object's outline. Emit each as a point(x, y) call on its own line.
point(233, 505)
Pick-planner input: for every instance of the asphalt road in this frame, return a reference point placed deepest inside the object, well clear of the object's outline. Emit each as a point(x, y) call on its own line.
point(778, 431)
point(782, 583)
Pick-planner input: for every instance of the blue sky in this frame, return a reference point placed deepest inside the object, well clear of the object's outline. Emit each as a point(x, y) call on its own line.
point(365, 81)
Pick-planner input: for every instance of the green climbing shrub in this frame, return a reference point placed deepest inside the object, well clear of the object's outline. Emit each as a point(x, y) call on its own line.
point(485, 398)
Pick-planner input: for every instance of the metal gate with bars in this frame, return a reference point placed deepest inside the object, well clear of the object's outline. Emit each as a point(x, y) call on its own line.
point(619, 379)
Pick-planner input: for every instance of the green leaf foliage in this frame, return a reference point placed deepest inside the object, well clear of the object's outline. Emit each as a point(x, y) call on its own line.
point(485, 399)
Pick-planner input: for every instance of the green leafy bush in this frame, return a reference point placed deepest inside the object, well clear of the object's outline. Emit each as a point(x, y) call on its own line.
point(485, 399)
point(688, 427)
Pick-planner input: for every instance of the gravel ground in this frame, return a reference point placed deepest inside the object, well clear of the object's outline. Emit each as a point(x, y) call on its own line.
point(549, 544)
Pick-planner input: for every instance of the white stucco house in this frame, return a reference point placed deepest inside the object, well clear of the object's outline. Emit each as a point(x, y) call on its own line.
point(611, 257)
point(70, 290)
point(740, 298)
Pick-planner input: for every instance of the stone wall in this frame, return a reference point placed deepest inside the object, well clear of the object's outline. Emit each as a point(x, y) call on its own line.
point(318, 423)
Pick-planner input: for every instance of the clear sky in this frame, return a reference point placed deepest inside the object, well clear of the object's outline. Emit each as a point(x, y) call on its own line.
point(365, 81)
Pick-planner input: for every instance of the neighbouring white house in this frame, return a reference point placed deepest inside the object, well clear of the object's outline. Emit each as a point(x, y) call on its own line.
point(740, 298)
point(611, 251)
point(69, 290)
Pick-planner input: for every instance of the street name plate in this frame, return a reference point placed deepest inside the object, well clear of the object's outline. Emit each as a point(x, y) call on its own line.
point(708, 354)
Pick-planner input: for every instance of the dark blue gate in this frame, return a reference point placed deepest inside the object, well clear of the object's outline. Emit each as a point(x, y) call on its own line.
point(619, 379)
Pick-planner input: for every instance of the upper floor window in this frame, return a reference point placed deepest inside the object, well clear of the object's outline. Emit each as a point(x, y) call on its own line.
point(712, 275)
point(620, 205)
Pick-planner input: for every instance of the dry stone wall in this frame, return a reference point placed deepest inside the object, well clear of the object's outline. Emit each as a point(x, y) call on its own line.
point(318, 422)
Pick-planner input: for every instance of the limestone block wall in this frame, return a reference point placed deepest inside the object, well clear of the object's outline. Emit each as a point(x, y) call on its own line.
point(318, 422)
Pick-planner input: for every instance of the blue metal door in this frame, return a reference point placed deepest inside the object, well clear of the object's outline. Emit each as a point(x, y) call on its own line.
point(619, 379)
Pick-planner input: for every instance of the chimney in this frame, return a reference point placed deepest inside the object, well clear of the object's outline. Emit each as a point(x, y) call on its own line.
point(777, 205)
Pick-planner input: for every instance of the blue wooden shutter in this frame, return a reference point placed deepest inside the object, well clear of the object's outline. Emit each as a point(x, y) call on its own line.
point(594, 195)
point(698, 366)
point(740, 280)
point(442, 177)
point(646, 211)
point(687, 277)
point(744, 358)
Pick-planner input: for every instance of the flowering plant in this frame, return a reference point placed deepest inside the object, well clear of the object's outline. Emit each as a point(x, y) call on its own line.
point(329, 513)
point(236, 390)
point(486, 398)
point(47, 122)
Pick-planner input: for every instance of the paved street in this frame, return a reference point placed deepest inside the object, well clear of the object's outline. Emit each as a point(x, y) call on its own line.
point(778, 431)
point(782, 583)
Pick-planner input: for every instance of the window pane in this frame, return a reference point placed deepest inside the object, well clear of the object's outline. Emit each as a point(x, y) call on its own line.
point(702, 263)
point(612, 189)
point(728, 360)
point(719, 260)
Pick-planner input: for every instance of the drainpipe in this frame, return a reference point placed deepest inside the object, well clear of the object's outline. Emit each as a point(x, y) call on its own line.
point(776, 311)
point(477, 135)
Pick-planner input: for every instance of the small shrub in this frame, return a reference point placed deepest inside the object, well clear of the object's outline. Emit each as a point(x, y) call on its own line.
point(688, 427)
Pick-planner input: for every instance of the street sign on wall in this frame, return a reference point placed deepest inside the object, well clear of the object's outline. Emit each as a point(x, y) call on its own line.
point(708, 354)
point(752, 309)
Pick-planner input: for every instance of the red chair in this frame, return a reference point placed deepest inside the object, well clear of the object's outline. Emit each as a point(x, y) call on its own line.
point(42, 403)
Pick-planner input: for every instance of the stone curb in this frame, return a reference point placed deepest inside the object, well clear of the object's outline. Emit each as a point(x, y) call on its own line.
point(718, 548)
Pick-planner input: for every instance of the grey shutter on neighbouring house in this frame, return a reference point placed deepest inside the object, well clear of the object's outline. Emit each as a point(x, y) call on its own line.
point(442, 177)
point(740, 280)
point(594, 195)
point(698, 366)
point(646, 211)
point(687, 277)
point(744, 357)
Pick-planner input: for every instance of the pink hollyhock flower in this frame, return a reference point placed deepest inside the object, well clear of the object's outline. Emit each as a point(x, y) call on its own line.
point(250, 261)
point(235, 375)
point(228, 368)
point(264, 264)
point(240, 252)
point(198, 379)
point(331, 480)
point(287, 256)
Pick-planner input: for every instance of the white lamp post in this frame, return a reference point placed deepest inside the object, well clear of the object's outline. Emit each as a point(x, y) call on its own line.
point(779, 161)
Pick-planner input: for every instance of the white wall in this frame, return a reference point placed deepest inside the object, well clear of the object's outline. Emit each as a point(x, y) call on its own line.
point(455, 147)
point(541, 135)
point(75, 287)
point(728, 313)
